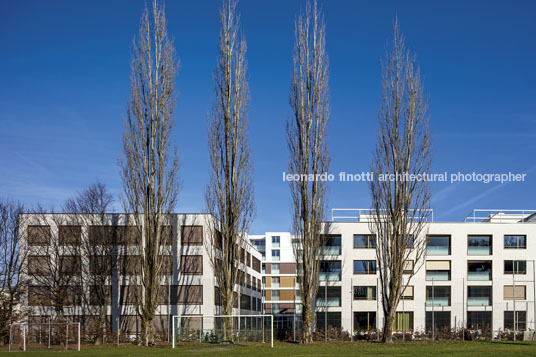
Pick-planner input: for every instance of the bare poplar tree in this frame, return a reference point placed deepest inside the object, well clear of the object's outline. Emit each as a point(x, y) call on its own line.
point(149, 165)
point(230, 194)
point(308, 154)
point(90, 208)
point(11, 261)
point(400, 206)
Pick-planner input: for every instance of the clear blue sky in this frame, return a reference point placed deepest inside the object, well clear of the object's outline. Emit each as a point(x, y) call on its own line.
point(64, 68)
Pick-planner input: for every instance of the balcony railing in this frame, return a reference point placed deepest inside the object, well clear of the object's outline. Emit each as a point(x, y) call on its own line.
point(479, 250)
point(438, 301)
point(331, 250)
point(333, 301)
point(479, 301)
point(479, 275)
point(438, 250)
point(330, 276)
point(438, 275)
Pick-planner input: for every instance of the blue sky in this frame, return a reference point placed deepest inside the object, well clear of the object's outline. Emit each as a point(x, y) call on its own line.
point(64, 68)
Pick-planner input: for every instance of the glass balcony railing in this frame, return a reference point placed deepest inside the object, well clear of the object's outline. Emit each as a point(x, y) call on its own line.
point(479, 301)
point(438, 275)
point(333, 301)
point(331, 250)
point(438, 250)
point(438, 301)
point(331, 276)
point(479, 250)
point(479, 275)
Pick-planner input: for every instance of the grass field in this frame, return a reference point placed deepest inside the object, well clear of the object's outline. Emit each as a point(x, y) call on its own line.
point(473, 349)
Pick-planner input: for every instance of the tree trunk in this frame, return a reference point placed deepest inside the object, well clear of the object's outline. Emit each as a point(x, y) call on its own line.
point(307, 324)
point(228, 322)
point(147, 330)
point(387, 336)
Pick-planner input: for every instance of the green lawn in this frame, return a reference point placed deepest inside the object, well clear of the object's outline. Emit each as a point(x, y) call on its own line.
point(473, 349)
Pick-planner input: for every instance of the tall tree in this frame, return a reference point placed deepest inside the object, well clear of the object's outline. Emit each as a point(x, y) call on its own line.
point(90, 208)
point(11, 261)
point(230, 194)
point(400, 206)
point(149, 165)
point(308, 153)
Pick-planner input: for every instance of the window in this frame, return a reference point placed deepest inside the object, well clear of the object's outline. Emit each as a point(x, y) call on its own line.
point(275, 282)
point(479, 295)
point(70, 235)
point(275, 268)
point(407, 293)
point(191, 264)
point(479, 320)
point(256, 264)
point(276, 255)
point(332, 245)
point(403, 321)
point(520, 322)
point(438, 296)
point(515, 241)
point(275, 295)
point(479, 245)
point(440, 320)
point(333, 320)
point(409, 242)
point(276, 241)
point(479, 270)
point(38, 235)
point(263, 268)
point(192, 235)
point(330, 270)
point(408, 267)
point(364, 320)
point(328, 296)
point(364, 267)
point(438, 270)
point(515, 267)
point(364, 241)
point(517, 292)
point(38, 265)
point(276, 309)
point(438, 245)
point(364, 293)
point(187, 294)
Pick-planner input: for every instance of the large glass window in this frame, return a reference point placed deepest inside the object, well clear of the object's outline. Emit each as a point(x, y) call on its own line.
point(330, 270)
point(276, 255)
point(332, 245)
point(438, 270)
point(275, 268)
point(479, 295)
point(438, 296)
point(333, 320)
point(276, 241)
point(364, 293)
point(479, 245)
point(330, 296)
point(275, 282)
point(479, 270)
point(364, 320)
point(520, 321)
point(275, 295)
point(479, 320)
point(364, 241)
point(403, 321)
point(364, 267)
point(440, 320)
point(438, 245)
point(515, 241)
point(515, 267)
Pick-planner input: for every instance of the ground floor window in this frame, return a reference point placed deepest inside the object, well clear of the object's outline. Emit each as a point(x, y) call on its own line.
point(479, 320)
point(334, 320)
point(403, 321)
point(520, 322)
point(438, 319)
point(364, 320)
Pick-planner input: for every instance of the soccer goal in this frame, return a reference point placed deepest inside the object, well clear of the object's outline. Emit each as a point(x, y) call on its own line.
point(223, 329)
point(44, 336)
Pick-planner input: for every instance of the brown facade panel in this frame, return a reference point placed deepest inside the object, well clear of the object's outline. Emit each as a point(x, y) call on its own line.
point(287, 281)
point(39, 296)
point(187, 294)
point(167, 235)
point(287, 268)
point(130, 265)
point(70, 265)
point(286, 308)
point(38, 265)
point(130, 324)
point(100, 265)
point(268, 268)
point(192, 235)
point(38, 235)
point(70, 235)
point(268, 294)
point(167, 265)
point(286, 295)
point(100, 295)
point(129, 293)
point(191, 264)
point(256, 264)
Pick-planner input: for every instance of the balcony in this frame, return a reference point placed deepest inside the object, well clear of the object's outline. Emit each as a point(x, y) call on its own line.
point(438, 275)
point(438, 301)
point(479, 271)
point(479, 301)
point(331, 250)
point(329, 302)
point(479, 245)
point(479, 295)
point(438, 245)
point(329, 276)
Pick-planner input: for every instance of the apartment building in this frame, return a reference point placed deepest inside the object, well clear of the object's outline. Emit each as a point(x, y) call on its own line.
point(478, 273)
point(59, 270)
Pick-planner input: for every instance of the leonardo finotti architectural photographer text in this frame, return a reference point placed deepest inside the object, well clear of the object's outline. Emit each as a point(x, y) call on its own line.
point(431, 177)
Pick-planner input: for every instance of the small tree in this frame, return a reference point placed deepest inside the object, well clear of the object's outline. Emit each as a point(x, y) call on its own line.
point(400, 206)
point(11, 261)
point(229, 196)
point(308, 154)
point(149, 166)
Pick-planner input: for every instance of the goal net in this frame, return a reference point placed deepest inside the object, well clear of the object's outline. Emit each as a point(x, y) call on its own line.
point(223, 329)
point(44, 336)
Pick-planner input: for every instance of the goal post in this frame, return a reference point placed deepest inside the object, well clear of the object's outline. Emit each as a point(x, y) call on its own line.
point(223, 329)
point(31, 336)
